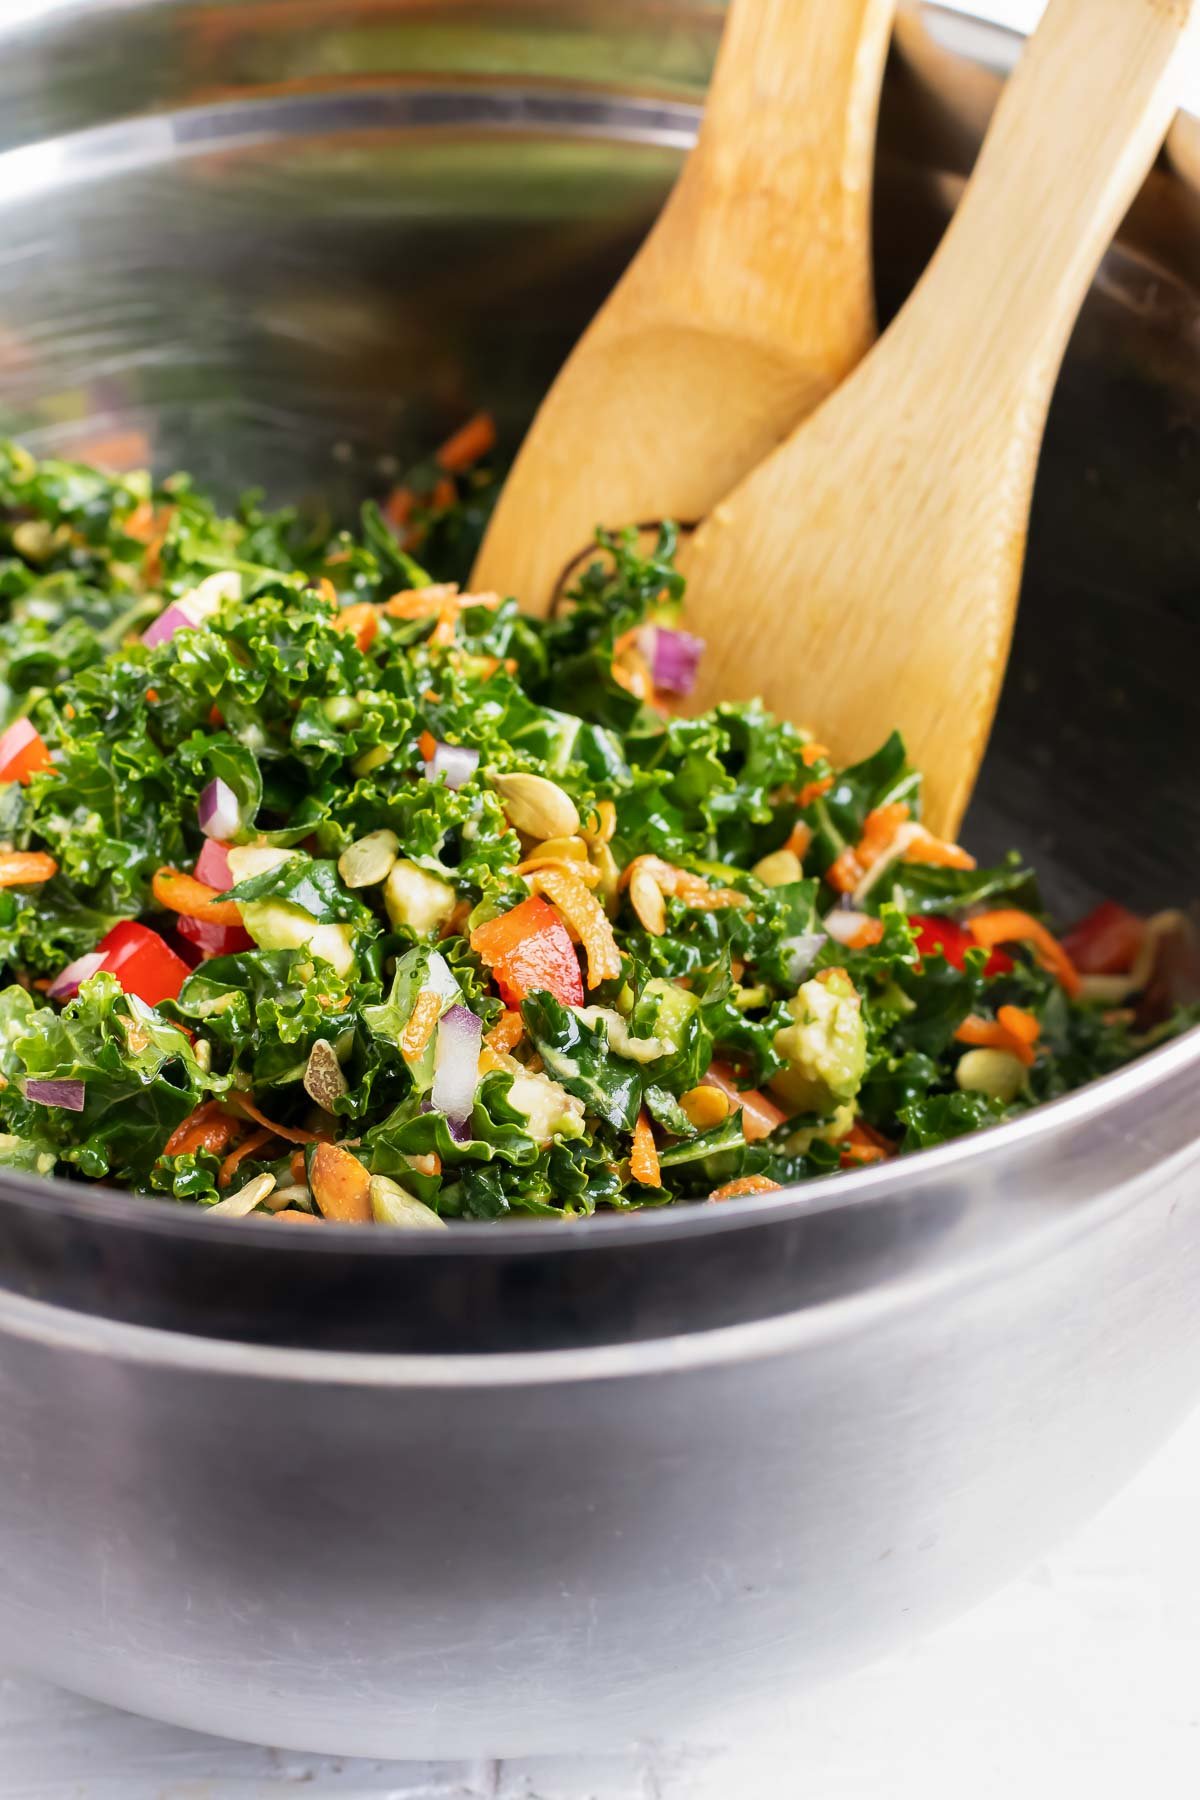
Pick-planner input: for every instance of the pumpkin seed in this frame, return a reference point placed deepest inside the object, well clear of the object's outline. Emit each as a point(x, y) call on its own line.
point(236, 1206)
point(539, 808)
point(646, 898)
point(323, 1078)
point(393, 1205)
point(370, 860)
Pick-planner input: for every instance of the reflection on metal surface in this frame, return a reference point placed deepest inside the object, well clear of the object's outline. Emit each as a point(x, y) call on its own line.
point(289, 241)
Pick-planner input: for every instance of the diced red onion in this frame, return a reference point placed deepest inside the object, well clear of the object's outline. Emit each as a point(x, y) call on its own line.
point(801, 953)
point(220, 813)
point(844, 926)
point(212, 866)
point(173, 618)
point(67, 1095)
point(456, 1063)
point(68, 981)
point(461, 1133)
point(673, 656)
point(452, 764)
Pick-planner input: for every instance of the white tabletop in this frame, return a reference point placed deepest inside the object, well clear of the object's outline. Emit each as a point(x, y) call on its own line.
point(1083, 1678)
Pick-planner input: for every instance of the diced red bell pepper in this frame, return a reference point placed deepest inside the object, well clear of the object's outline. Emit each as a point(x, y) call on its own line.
point(142, 962)
point(936, 933)
point(212, 866)
point(214, 940)
point(23, 752)
point(1107, 942)
point(527, 949)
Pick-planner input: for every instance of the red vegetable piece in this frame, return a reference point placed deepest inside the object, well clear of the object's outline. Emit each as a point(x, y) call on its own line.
point(935, 933)
point(212, 866)
point(1107, 941)
point(527, 949)
point(142, 962)
point(22, 752)
point(214, 940)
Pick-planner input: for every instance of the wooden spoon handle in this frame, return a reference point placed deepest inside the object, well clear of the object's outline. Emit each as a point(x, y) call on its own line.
point(779, 185)
point(750, 300)
point(1068, 148)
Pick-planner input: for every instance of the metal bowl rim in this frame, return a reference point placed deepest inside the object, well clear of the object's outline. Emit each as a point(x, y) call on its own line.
point(825, 1194)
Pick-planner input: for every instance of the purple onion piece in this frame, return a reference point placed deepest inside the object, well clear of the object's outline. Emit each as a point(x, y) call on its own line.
point(456, 1063)
point(461, 1133)
point(673, 656)
point(68, 981)
point(801, 953)
point(219, 813)
point(173, 618)
point(452, 764)
point(67, 1095)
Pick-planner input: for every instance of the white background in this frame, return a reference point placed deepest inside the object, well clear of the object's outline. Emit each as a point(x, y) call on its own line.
point(1084, 1678)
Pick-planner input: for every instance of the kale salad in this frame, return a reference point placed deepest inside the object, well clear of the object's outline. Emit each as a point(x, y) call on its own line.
point(331, 890)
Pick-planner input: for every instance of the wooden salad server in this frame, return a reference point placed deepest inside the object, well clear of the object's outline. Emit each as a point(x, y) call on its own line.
point(747, 304)
point(867, 573)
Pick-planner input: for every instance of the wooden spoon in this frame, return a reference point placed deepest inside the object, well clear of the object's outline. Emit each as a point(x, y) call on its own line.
point(866, 575)
point(747, 304)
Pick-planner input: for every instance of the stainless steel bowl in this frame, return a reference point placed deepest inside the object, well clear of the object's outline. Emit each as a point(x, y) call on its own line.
point(534, 1489)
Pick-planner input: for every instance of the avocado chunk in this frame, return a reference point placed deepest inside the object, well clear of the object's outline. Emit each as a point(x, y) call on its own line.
point(281, 925)
point(417, 900)
point(550, 1112)
point(826, 1048)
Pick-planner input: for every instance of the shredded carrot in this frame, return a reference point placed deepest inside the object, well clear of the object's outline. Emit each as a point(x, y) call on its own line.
point(506, 1033)
point(427, 745)
point(800, 842)
point(813, 790)
point(246, 1148)
point(298, 1167)
point(1022, 1024)
point(643, 1163)
point(744, 1186)
point(683, 884)
point(935, 850)
point(445, 632)
point(26, 868)
point(469, 444)
point(760, 1116)
point(879, 832)
point(863, 1145)
point(398, 508)
point(329, 595)
point(583, 912)
point(289, 1133)
point(990, 1034)
point(1009, 925)
point(420, 603)
point(444, 494)
point(422, 1023)
point(870, 933)
point(209, 1128)
point(184, 894)
point(845, 872)
point(632, 673)
point(361, 621)
point(813, 753)
point(152, 696)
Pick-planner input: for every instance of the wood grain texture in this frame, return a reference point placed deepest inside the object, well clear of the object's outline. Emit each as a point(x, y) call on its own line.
point(748, 303)
point(867, 574)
